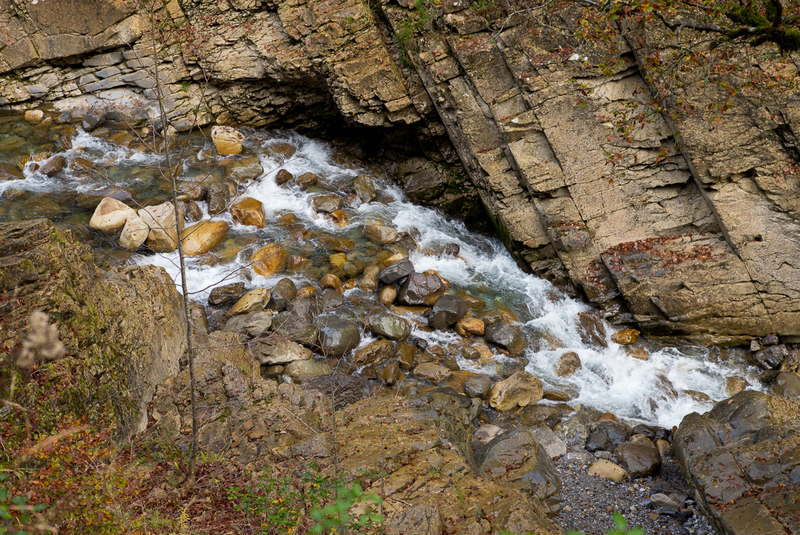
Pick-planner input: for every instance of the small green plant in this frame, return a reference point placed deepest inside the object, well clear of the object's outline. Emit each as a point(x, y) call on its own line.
point(15, 512)
point(336, 518)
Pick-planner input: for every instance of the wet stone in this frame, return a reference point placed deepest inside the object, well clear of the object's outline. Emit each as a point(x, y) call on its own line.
point(447, 310)
point(396, 272)
point(375, 352)
point(389, 326)
point(327, 203)
point(337, 336)
point(283, 176)
point(283, 293)
point(769, 358)
point(421, 289)
point(509, 337)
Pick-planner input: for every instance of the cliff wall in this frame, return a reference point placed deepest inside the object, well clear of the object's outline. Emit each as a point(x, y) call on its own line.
point(674, 205)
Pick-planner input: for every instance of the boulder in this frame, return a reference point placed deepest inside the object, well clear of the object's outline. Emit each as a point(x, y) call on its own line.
point(330, 299)
point(339, 217)
point(283, 176)
point(34, 116)
point(218, 198)
point(769, 358)
point(639, 459)
point(517, 457)
point(625, 337)
point(432, 372)
point(327, 203)
point(337, 336)
point(269, 260)
point(245, 171)
point(282, 294)
point(306, 180)
point(447, 310)
point(225, 295)
point(365, 189)
point(567, 364)
point(509, 337)
point(388, 295)
point(376, 352)
point(382, 234)
point(250, 325)
point(111, 215)
point(478, 386)
point(389, 326)
point(93, 119)
point(519, 390)
point(397, 271)
point(252, 301)
point(331, 281)
point(786, 384)
point(134, 233)
point(369, 279)
point(608, 470)
point(54, 165)
point(552, 444)
point(741, 461)
point(421, 289)
point(249, 211)
point(470, 327)
point(591, 329)
point(204, 236)
point(163, 236)
point(306, 370)
point(277, 350)
point(227, 140)
point(298, 327)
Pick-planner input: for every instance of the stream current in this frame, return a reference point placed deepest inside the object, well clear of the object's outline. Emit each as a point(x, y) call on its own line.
point(661, 390)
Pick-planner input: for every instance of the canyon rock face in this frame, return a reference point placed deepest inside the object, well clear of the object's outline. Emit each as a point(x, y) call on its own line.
point(685, 224)
point(123, 329)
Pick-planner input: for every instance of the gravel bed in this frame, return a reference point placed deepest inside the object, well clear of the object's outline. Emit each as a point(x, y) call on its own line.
point(588, 502)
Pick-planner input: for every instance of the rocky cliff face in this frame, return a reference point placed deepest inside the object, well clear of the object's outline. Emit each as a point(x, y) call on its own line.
point(123, 330)
point(692, 236)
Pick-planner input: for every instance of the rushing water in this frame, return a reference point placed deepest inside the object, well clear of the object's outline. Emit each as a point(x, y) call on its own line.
point(658, 391)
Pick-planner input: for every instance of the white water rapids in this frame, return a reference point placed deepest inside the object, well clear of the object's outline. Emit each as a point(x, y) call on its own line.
point(610, 380)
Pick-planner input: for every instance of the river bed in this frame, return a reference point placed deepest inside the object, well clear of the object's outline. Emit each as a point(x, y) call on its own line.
point(658, 388)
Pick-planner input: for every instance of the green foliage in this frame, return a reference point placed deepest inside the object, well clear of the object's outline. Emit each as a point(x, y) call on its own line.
point(15, 511)
point(337, 515)
point(305, 502)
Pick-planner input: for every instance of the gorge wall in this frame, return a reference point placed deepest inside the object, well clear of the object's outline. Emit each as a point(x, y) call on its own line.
point(681, 216)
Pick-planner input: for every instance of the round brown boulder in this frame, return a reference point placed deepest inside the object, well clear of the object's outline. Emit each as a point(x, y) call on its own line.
point(249, 211)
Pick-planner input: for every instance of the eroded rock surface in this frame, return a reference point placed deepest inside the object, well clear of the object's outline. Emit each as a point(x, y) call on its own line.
point(741, 460)
point(123, 329)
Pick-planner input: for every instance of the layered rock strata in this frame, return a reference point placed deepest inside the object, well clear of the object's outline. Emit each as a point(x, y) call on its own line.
point(691, 234)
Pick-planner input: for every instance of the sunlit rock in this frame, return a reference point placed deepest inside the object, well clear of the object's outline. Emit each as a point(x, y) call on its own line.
point(110, 215)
